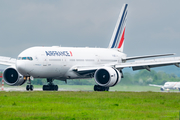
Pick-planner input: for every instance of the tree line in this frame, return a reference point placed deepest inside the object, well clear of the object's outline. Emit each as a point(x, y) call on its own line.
point(144, 77)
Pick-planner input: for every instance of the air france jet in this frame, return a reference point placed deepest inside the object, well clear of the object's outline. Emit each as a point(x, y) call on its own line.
point(168, 85)
point(105, 65)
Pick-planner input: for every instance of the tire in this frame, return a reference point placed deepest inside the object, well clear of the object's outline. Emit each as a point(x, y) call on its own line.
point(52, 87)
point(95, 88)
point(45, 87)
point(31, 87)
point(107, 89)
point(100, 88)
point(56, 87)
point(27, 87)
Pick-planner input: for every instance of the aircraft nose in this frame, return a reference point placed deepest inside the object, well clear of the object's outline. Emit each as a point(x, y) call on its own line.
point(21, 67)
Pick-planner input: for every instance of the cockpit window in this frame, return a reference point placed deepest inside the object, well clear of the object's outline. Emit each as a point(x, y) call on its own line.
point(29, 58)
point(25, 58)
point(19, 58)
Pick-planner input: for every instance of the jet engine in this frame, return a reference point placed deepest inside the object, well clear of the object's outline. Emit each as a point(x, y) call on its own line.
point(13, 77)
point(107, 76)
point(162, 89)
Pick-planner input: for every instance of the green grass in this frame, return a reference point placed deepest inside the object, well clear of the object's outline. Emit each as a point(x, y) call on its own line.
point(89, 105)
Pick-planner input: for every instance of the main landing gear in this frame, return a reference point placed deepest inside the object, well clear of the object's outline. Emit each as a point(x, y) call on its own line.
point(29, 86)
point(100, 88)
point(50, 86)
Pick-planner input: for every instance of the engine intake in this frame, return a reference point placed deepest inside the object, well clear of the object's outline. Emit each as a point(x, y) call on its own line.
point(107, 76)
point(13, 77)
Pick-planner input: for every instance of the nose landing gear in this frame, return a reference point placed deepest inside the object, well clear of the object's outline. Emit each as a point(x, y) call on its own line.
point(50, 86)
point(29, 86)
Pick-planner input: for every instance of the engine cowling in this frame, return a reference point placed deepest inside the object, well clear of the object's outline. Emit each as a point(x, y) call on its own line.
point(107, 76)
point(13, 77)
point(162, 88)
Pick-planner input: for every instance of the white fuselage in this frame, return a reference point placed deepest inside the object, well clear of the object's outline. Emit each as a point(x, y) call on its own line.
point(58, 62)
point(171, 85)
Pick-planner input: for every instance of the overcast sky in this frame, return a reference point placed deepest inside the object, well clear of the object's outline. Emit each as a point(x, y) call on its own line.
point(153, 26)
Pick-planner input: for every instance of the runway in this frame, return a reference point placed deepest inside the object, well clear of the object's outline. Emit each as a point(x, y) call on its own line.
point(23, 89)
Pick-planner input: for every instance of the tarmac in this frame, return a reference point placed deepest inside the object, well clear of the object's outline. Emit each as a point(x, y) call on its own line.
point(23, 89)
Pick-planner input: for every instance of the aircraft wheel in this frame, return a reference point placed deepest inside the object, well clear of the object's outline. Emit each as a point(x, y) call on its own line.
point(100, 88)
point(106, 88)
point(50, 87)
point(56, 87)
point(31, 87)
point(27, 87)
point(45, 87)
point(97, 88)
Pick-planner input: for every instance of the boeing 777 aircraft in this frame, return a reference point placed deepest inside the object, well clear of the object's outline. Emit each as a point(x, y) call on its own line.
point(168, 85)
point(105, 65)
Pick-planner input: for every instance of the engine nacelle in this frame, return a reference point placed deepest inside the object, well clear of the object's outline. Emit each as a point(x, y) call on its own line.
point(13, 77)
point(162, 88)
point(107, 76)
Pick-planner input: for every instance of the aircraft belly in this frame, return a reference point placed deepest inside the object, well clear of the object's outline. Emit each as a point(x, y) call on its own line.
point(47, 72)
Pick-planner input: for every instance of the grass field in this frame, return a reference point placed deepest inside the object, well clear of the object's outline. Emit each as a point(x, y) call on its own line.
point(79, 105)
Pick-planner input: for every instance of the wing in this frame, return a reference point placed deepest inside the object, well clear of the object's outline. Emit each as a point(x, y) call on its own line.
point(155, 85)
point(148, 56)
point(83, 70)
point(147, 64)
point(7, 61)
point(137, 65)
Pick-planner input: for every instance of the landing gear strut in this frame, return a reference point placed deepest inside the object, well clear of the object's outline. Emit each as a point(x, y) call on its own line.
point(50, 86)
point(100, 88)
point(29, 86)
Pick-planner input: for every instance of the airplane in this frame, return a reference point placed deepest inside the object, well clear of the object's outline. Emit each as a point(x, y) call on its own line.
point(168, 85)
point(105, 65)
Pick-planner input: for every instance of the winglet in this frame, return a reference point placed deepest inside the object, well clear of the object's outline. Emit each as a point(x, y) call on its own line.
point(117, 39)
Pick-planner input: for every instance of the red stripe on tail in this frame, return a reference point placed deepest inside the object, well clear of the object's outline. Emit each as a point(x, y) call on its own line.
point(122, 39)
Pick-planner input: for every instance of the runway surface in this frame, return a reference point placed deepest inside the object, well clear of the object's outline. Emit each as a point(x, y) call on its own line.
point(24, 89)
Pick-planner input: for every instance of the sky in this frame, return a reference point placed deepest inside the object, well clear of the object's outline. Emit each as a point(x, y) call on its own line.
point(153, 26)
